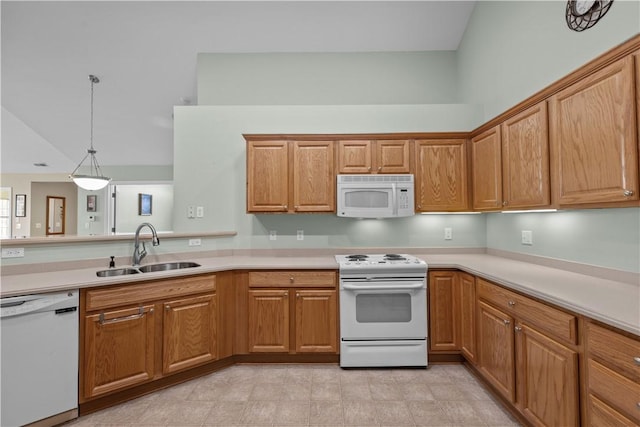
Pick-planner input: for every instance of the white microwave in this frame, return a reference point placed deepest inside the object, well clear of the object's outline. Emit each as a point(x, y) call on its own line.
point(375, 196)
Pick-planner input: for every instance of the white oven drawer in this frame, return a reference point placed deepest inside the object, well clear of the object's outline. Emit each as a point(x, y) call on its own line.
point(357, 354)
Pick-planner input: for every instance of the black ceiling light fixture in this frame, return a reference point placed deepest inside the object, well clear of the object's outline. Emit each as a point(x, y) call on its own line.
point(583, 14)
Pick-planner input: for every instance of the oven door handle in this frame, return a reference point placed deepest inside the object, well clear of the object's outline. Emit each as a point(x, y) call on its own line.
point(382, 288)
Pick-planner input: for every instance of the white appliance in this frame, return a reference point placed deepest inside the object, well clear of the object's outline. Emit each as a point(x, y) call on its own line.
point(383, 310)
point(39, 357)
point(375, 196)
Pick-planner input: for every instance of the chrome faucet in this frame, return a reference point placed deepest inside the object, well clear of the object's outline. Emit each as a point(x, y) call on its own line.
point(137, 255)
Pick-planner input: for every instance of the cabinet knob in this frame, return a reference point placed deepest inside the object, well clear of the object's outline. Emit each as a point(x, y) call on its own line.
point(167, 307)
point(379, 168)
point(291, 279)
point(297, 294)
point(518, 328)
point(511, 303)
point(285, 207)
point(296, 208)
point(637, 360)
point(369, 168)
point(506, 321)
point(505, 203)
point(627, 193)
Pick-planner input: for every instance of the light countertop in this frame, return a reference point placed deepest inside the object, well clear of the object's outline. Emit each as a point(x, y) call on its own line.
point(611, 302)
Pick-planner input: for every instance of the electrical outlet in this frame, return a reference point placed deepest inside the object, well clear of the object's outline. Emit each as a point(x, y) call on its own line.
point(300, 235)
point(12, 252)
point(195, 242)
point(527, 237)
point(191, 212)
point(200, 212)
point(448, 233)
point(273, 235)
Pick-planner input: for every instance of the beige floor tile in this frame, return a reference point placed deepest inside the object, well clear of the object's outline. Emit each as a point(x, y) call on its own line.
point(360, 413)
point(225, 414)
point(325, 391)
point(416, 391)
point(394, 414)
point(381, 376)
point(385, 391)
point(428, 413)
point(462, 413)
point(354, 376)
point(356, 391)
point(325, 413)
point(259, 413)
point(322, 374)
point(447, 392)
point(292, 413)
point(237, 392)
point(297, 391)
point(188, 413)
point(268, 391)
point(492, 414)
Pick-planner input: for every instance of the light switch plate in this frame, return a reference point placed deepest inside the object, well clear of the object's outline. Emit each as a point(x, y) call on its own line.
point(527, 237)
point(448, 233)
point(12, 252)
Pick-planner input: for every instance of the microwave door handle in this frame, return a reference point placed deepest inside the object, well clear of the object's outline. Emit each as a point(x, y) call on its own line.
point(394, 195)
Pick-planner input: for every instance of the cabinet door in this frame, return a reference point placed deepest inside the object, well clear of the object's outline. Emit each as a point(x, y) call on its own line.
point(267, 176)
point(316, 321)
point(189, 332)
point(268, 321)
point(496, 349)
point(487, 170)
point(118, 349)
point(444, 311)
point(594, 137)
point(441, 175)
point(392, 156)
point(314, 184)
point(547, 379)
point(525, 159)
point(468, 316)
point(354, 156)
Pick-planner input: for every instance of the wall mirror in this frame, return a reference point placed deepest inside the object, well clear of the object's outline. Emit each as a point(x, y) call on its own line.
point(55, 215)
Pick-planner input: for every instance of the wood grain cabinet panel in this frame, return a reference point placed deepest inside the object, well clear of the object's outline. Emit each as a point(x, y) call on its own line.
point(118, 350)
point(594, 137)
point(316, 321)
point(189, 332)
point(486, 166)
point(547, 378)
point(314, 181)
point(374, 156)
point(525, 159)
point(468, 344)
point(444, 311)
point(267, 176)
point(441, 175)
point(269, 321)
point(603, 415)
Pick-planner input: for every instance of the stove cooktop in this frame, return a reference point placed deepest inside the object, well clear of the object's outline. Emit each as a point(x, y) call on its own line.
point(379, 262)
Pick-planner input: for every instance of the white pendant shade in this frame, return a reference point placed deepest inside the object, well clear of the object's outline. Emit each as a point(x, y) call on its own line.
point(88, 182)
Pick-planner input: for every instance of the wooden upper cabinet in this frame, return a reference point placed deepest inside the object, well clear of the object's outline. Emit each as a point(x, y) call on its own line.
point(267, 176)
point(314, 182)
point(441, 175)
point(525, 159)
point(379, 156)
point(594, 137)
point(486, 167)
point(290, 176)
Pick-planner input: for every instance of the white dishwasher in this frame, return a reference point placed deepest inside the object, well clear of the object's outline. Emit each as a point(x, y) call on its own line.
point(39, 358)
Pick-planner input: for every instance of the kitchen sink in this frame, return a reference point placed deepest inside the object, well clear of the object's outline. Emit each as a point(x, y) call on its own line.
point(117, 272)
point(167, 266)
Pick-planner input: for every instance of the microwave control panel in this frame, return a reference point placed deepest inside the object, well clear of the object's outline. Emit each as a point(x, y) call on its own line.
point(403, 199)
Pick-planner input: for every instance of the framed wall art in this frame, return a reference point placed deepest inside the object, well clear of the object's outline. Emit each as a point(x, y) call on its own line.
point(21, 205)
point(145, 204)
point(92, 201)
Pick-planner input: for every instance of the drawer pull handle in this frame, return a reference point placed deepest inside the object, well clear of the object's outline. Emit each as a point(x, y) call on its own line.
point(518, 328)
point(506, 322)
point(637, 360)
point(121, 319)
point(511, 303)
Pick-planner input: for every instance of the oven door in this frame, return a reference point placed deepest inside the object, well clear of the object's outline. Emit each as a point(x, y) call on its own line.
point(383, 310)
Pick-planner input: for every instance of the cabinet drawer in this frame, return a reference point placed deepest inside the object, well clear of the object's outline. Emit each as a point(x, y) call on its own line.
point(556, 323)
point(266, 279)
point(615, 350)
point(115, 296)
point(614, 389)
point(602, 415)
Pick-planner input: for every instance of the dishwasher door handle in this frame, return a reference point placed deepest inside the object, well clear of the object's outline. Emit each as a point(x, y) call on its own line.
point(138, 315)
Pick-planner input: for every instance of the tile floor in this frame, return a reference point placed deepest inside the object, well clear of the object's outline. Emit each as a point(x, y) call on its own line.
point(313, 395)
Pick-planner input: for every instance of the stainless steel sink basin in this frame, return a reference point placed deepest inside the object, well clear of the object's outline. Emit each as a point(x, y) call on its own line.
point(117, 272)
point(167, 266)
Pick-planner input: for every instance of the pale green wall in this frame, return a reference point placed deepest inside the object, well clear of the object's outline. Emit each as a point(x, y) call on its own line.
point(513, 49)
point(210, 170)
point(327, 78)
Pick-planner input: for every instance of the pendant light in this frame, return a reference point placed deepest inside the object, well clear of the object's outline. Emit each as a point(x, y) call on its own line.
point(95, 180)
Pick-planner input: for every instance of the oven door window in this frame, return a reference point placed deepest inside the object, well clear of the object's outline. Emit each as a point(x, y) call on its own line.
point(383, 308)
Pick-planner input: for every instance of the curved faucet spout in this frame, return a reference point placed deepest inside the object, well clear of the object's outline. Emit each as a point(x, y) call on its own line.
point(137, 253)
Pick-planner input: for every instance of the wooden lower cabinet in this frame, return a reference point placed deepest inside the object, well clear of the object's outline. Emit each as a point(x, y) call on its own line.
point(118, 349)
point(166, 326)
point(532, 369)
point(468, 311)
point(292, 312)
point(189, 332)
point(444, 313)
